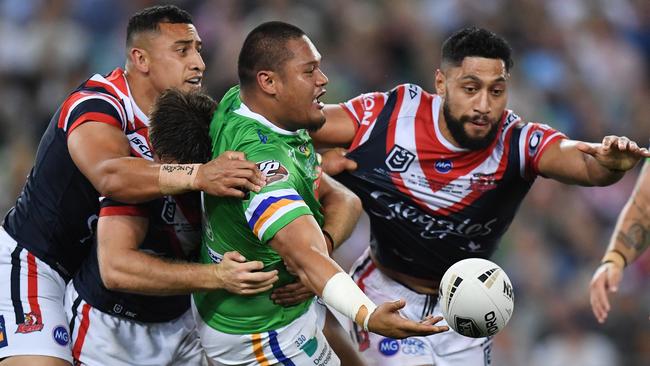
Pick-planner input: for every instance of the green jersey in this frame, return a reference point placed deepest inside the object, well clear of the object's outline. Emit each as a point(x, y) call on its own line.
point(291, 166)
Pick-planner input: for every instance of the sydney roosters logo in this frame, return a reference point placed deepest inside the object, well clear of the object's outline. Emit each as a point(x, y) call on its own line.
point(32, 323)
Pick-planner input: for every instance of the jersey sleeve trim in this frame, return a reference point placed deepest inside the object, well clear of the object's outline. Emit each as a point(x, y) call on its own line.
point(353, 117)
point(124, 211)
point(268, 208)
point(557, 136)
point(83, 107)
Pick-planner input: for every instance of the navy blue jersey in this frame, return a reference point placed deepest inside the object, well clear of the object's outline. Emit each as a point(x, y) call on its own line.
point(55, 214)
point(174, 232)
point(431, 203)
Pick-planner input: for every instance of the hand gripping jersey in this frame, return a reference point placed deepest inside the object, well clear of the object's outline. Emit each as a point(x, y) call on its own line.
point(174, 232)
point(291, 166)
point(431, 203)
point(55, 214)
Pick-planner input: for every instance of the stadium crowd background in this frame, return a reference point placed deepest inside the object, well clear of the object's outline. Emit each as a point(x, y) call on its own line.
point(581, 66)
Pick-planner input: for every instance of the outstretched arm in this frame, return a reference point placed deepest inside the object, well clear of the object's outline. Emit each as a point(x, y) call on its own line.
point(630, 239)
point(123, 267)
point(302, 246)
point(338, 129)
point(589, 164)
point(102, 154)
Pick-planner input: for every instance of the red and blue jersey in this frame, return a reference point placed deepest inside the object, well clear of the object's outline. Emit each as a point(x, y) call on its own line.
point(430, 202)
point(55, 214)
point(174, 232)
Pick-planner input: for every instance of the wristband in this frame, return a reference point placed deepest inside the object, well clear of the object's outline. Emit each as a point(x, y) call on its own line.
point(341, 293)
point(615, 256)
point(177, 178)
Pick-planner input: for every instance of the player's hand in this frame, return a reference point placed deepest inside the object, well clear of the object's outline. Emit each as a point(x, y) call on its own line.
point(387, 321)
point(291, 294)
point(606, 279)
point(229, 174)
point(615, 153)
point(334, 162)
point(240, 277)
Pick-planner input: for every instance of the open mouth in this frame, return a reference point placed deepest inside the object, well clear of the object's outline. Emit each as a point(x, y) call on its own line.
point(195, 81)
point(316, 100)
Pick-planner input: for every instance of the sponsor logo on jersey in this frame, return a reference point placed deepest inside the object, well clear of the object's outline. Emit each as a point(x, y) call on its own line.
point(412, 346)
point(304, 148)
point(390, 207)
point(443, 166)
point(310, 346)
point(511, 118)
point(3, 333)
point(140, 145)
point(388, 346)
point(399, 159)
point(274, 171)
point(33, 323)
point(467, 327)
point(263, 138)
point(368, 106)
point(61, 336)
point(487, 353)
point(534, 141)
point(214, 256)
point(482, 182)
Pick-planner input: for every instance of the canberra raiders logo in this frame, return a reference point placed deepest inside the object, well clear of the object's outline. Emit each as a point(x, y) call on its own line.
point(274, 171)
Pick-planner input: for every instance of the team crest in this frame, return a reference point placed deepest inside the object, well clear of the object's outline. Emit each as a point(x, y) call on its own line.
point(399, 159)
point(32, 323)
point(274, 171)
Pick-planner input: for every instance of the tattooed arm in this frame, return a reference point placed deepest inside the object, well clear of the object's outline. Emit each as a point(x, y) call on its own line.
point(630, 239)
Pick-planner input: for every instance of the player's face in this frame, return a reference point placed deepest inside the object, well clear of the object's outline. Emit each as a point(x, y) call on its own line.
point(475, 97)
point(302, 83)
point(175, 58)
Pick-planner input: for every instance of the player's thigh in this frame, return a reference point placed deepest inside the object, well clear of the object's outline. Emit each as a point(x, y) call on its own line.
point(33, 360)
point(32, 317)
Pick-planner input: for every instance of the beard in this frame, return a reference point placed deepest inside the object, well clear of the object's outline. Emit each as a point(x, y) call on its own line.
point(457, 129)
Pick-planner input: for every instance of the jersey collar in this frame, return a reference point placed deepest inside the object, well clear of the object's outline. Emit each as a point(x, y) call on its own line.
point(246, 112)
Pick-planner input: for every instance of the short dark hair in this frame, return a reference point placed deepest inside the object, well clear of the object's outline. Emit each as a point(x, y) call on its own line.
point(179, 125)
point(147, 20)
point(265, 49)
point(476, 42)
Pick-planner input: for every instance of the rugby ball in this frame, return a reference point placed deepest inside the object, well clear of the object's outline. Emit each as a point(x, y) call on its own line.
point(476, 297)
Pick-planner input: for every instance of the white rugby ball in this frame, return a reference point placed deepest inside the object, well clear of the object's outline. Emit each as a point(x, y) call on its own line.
point(476, 297)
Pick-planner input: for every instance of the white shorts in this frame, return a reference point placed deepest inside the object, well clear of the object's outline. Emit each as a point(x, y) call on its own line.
point(32, 317)
point(300, 343)
point(444, 349)
point(102, 339)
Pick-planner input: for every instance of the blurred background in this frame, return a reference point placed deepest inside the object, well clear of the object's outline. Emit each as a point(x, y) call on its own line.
point(581, 66)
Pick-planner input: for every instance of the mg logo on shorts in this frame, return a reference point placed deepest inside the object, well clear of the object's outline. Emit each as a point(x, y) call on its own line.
point(399, 159)
point(3, 333)
point(388, 346)
point(60, 335)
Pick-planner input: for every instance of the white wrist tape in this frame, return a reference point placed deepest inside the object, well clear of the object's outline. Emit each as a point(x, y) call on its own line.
point(177, 178)
point(345, 296)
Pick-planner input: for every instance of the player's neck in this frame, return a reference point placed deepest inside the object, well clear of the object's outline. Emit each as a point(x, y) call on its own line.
point(142, 92)
point(261, 106)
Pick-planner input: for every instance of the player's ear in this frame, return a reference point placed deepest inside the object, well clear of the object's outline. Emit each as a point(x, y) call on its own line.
point(267, 81)
point(139, 58)
point(440, 83)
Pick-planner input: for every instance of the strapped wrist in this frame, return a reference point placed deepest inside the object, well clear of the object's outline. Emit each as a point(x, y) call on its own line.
point(614, 256)
point(177, 178)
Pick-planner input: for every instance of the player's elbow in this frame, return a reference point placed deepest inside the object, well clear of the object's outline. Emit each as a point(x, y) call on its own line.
point(111, 276)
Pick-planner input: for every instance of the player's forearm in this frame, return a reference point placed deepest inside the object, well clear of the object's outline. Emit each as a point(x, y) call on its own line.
point(341, 209)
point(631, 235)
point(139, 272)
point(598, 175)
point(135, 180)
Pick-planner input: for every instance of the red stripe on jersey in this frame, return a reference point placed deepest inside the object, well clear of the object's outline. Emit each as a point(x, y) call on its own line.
point(139, 211)
point(83, 330)
point(94, 117)
point(32, 285)
point(65, 107)
point(535, 163)
point(367, 108)
point(365, 274)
